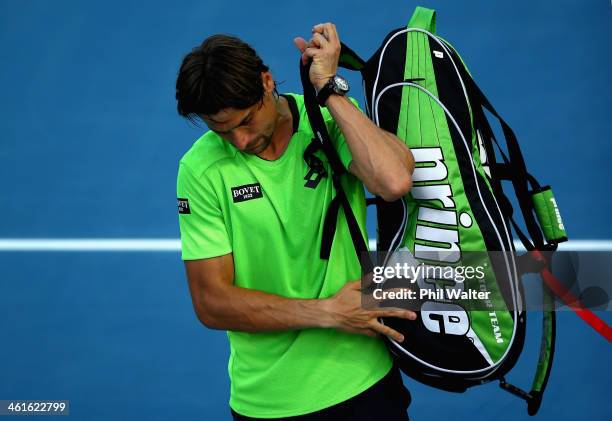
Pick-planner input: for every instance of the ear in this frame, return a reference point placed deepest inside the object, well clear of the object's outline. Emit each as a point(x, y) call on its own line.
point(268, 82)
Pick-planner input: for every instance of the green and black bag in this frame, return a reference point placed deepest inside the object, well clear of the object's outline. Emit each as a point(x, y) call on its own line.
point(417, 87)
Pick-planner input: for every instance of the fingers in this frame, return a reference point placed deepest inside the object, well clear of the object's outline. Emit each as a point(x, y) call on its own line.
point(368, 280)
point(310, 49)
point(387, 331)
point(309, 52)
point(319, 40)
point(398, 313)
point(371, 301)
point(367, 332)
point(356, 285)
point(300, 43)
point(328, 30)
point(324, 41)
point(376, 308)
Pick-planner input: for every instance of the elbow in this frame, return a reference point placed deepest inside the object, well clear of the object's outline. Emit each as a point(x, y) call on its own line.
point(401, 183)
point(207, 317)
point(209, 321)
point(396, 189)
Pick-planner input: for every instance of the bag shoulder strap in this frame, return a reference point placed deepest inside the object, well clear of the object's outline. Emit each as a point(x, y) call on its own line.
point(322, 141)
point(518, 174)
point(349, 59)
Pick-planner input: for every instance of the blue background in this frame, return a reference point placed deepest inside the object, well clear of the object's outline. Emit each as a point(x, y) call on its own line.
point(89, 146)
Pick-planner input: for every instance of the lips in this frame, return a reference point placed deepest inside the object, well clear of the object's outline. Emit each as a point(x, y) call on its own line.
point(257, 146)
point(254, 148)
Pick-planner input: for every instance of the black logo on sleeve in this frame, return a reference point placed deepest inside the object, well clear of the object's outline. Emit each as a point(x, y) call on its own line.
point(183, 206)
point(246, 192)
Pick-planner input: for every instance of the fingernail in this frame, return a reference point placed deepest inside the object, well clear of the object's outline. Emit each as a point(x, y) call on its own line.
point(400, 339)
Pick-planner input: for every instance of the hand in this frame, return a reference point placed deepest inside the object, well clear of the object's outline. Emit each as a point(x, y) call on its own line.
point(324, 51)
point(345, 313)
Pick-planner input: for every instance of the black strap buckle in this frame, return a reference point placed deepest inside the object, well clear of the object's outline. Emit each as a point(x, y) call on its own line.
point(317, 169)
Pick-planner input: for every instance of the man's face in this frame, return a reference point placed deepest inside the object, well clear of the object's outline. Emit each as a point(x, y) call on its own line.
point(249, 130)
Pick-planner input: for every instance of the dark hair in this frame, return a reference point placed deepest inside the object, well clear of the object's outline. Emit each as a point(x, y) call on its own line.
point(222, 72)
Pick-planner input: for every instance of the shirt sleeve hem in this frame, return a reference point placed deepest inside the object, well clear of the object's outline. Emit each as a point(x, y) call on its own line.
point(205, 255)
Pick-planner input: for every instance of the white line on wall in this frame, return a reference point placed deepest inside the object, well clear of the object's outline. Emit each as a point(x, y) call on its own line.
point(90, 244)
point(174, 245)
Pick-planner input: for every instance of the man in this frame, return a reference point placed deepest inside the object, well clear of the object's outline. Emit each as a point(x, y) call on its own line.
point(251, 226)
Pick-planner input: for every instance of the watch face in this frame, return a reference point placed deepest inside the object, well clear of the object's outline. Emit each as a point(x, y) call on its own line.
point(341, 86)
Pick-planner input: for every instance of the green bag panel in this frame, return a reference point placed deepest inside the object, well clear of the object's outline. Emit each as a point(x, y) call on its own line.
point(438, 196)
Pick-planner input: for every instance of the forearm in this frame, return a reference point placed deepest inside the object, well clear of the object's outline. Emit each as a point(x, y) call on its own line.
point(219, 304)
point(382, 161)
point(247, 310)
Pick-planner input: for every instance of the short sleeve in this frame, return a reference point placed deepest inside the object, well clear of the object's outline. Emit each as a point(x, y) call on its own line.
point(339, 140)
point(203, 230)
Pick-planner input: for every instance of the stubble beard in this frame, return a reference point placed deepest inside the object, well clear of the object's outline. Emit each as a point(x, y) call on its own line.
point(259, 145)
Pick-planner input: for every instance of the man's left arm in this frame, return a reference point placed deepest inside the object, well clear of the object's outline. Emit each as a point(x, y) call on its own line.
point(380, 159)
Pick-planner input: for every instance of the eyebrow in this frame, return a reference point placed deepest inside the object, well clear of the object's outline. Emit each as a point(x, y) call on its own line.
point(243, 121)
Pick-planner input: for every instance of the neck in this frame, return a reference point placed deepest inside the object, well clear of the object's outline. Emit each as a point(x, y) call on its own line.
point(283, 129)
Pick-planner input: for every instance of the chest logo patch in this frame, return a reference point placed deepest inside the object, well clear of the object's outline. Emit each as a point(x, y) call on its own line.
point(247, 192)
point(183, 206)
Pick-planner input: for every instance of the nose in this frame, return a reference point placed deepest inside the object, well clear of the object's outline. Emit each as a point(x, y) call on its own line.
point(243, 139)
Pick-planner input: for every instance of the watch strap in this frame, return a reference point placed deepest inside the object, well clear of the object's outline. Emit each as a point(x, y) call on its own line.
point(325, 92)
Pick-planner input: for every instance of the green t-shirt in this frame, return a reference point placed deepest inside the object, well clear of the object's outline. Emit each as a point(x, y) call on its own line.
point(262, 212)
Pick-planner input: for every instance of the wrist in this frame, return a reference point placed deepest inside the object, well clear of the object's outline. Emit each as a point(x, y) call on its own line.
point(335, 85)
point(324, 313)
point(321, 82)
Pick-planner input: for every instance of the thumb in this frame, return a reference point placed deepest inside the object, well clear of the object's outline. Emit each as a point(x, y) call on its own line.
point(300, 43)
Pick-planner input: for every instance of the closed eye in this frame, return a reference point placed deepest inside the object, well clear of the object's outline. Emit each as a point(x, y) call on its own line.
point(247, 120)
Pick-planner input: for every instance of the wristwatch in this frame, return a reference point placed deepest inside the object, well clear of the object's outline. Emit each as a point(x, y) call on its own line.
point(335, 85)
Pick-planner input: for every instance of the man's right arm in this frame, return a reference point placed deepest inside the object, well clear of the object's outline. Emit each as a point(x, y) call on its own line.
point(219, 304)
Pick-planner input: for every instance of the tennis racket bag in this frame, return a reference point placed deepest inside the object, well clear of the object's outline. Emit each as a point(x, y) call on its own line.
point(417, 86)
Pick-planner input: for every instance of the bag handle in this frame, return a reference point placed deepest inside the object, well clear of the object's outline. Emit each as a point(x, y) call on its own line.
point(423, 18)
